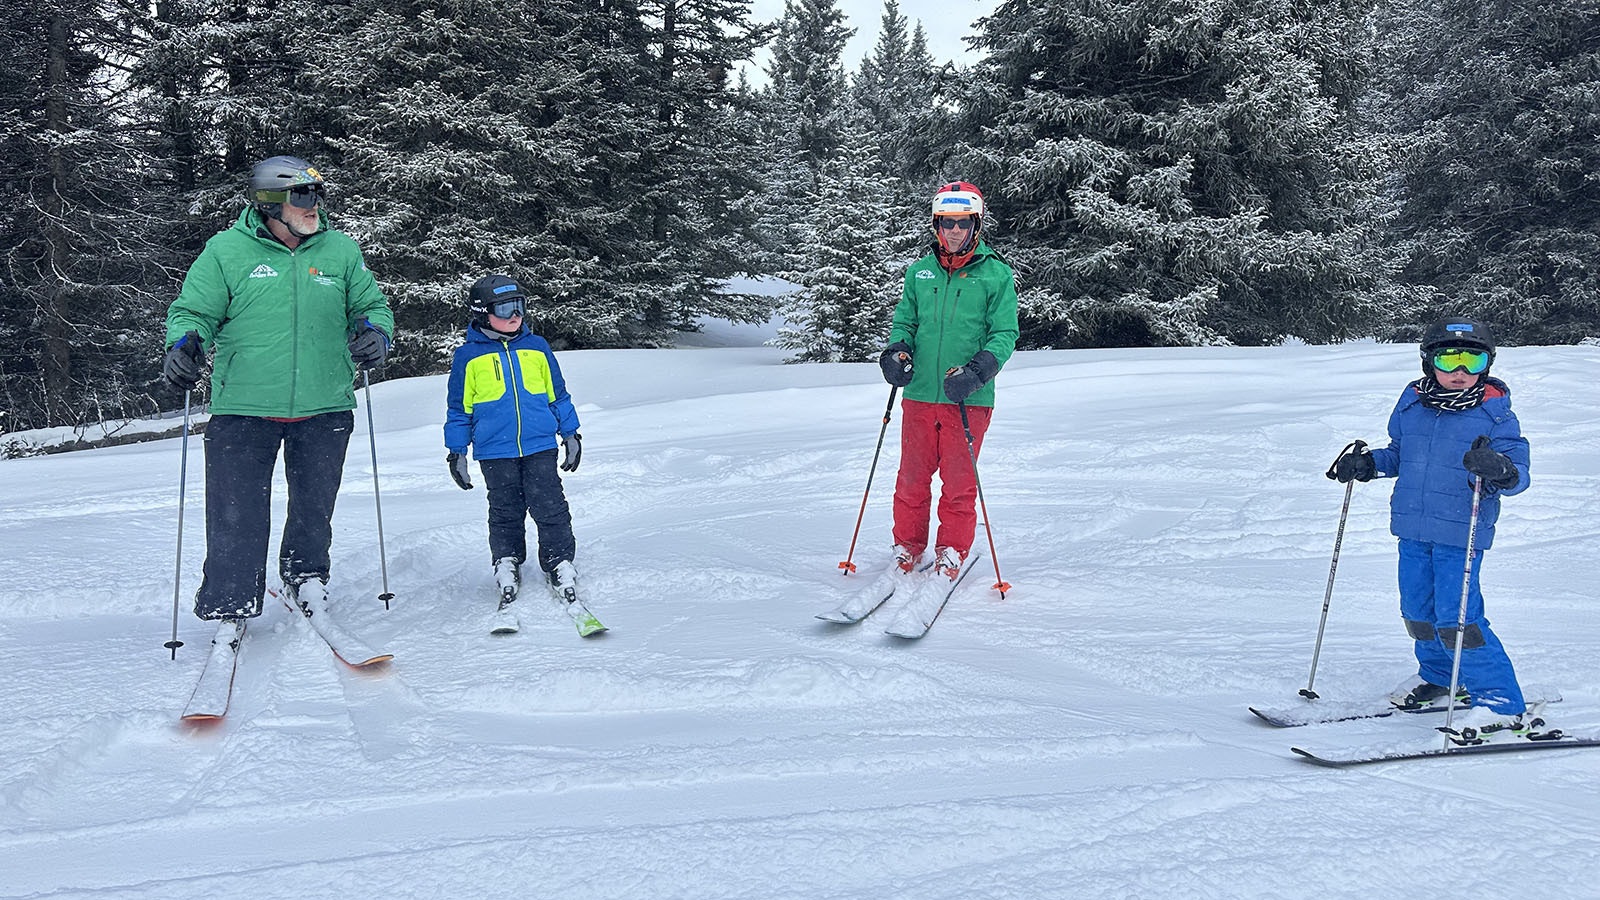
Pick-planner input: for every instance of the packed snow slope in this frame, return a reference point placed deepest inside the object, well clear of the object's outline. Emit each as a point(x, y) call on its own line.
point(1161, 514)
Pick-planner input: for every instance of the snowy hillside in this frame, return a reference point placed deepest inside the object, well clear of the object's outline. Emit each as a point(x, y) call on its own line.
point(1162, 517)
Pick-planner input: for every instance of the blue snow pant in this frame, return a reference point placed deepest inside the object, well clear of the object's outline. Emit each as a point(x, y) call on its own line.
point(528, 486)
point(241, 452)
point(1430, 603)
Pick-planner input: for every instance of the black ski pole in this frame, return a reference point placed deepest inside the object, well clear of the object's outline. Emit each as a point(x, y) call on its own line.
point(377, 495)
point(177, 566)
point(1333, 568)
point(848, 566)
point(972, 456)
point(1466, 589)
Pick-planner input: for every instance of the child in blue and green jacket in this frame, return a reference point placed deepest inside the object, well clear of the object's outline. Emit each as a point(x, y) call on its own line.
point(507, 400)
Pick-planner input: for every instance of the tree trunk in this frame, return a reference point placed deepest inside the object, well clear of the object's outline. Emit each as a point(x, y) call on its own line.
point(55, 360)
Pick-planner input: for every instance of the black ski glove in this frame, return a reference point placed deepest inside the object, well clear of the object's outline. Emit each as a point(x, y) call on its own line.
point(1494, 467)
point(459, 471)
point(963, 381)
point(573, 445)
point(1355, 464)
point(896, 363)
point(181, 366)
point(369, 345)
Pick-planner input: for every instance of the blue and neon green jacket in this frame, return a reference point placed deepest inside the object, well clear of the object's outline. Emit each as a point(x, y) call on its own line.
point(507, 398)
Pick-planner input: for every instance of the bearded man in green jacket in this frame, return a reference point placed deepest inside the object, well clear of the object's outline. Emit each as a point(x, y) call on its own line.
point(289, 311)
point(955, 326)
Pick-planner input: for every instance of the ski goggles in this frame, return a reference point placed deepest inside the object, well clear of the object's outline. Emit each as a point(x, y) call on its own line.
point(301, 196)
point(505, 309)
point(1455, 359)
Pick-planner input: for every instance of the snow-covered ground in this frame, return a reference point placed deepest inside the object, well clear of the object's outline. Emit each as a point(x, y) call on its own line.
point(1161, 514)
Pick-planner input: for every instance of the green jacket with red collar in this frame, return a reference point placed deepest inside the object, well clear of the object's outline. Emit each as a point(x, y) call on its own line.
point(278, 320)
point(947, 317)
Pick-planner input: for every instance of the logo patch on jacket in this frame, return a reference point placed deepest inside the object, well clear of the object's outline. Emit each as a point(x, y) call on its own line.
point(925, 273)
point(264, 271)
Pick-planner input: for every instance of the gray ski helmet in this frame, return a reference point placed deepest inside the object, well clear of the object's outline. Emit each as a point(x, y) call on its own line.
point(272, 178)
point(491, 291)
point(1458, 331)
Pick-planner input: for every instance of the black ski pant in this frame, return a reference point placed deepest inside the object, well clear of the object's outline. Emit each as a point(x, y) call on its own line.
point(241, 453)
point(528, 486)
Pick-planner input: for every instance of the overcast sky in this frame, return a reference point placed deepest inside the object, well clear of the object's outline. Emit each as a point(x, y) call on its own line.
point(945, 21)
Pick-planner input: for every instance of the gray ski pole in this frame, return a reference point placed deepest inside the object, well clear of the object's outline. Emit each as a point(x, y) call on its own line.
point(177, 566)
point(1466, 591)
point(377, 495)
point(1338, 540)
point(848, 566)
point(972, 457)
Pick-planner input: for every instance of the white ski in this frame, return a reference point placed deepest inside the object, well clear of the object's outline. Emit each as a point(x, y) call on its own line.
point(867, 600)
point(351, 650)
point(214, 691)
point(927, 601)
point(505, 618)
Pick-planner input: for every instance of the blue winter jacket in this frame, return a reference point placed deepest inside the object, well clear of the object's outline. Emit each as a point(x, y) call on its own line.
point(1432, 498)
point(506, 398)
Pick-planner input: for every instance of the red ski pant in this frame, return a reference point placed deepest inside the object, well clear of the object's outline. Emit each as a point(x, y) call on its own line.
point(931, 440)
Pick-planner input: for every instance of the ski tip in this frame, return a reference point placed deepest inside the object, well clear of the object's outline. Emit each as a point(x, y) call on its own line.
point(592, 631)
point(370, 661)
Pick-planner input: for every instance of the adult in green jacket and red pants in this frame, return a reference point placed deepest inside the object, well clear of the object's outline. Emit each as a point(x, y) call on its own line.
point(955, 326)
point(289, 311)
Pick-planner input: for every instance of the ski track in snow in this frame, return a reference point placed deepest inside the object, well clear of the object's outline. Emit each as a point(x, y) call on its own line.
point(1161, 515)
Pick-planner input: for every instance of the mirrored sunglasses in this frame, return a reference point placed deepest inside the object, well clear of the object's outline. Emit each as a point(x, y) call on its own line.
point(946, 223)
point(1454, 359)
point(505, 309)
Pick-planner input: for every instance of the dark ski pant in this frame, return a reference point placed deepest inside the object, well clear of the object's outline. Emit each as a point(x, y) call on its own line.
point(528, 486)
point(241, 453)
point(1430, 603)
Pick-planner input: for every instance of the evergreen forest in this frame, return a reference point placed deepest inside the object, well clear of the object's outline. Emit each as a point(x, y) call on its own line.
point(1158, 172)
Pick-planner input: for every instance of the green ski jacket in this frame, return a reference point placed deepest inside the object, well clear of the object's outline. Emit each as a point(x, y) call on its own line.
point(947, 317)
point(278, 320)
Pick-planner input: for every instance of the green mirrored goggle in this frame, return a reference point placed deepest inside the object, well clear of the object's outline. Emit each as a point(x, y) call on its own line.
point(1453, 359)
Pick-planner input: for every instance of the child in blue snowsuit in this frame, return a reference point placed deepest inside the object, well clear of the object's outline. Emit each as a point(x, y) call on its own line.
point(508, 400)
point(1436, 449)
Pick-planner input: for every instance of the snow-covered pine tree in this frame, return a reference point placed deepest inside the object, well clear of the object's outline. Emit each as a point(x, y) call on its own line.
point(856, 238)
point(492, 137)
point(81, 262)
point(1494, 112)
point(807, 81)
point(1177, 171)
point(895, 90)
point(704, 196)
